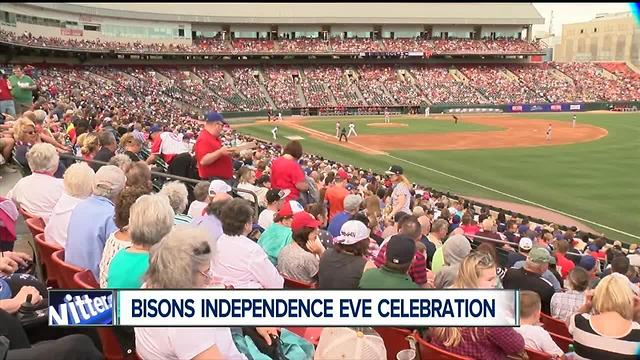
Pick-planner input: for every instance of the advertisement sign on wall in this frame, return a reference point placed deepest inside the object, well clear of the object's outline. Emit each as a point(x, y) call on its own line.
point(71, 32)
point(556, 107)
point(516, 108)
point(574, 107)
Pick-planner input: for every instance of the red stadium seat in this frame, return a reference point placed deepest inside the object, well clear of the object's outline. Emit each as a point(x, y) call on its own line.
point(562, 341)
point(111, 348)
point(311, 334)
point(65, 271)
point(35, 225)
point(85, 280)
point(432, 352)
point(290, 283)
point(538, 355)
point(45, 254)
point(25, 214)
point(395, 340)
point(554, 325)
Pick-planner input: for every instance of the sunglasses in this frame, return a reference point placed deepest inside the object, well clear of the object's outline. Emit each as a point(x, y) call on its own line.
point(208, 274)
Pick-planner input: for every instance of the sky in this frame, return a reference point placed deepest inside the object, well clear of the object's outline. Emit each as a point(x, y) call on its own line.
point(568, 13)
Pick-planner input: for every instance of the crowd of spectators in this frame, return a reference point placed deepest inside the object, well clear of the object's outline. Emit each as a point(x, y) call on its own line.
point(440, 87)
point(497, 86)
point(332, 225)
point(279, 82)
point(247, 89)
point(298, 45)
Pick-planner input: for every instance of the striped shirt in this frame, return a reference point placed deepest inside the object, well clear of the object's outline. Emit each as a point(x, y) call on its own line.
point(591, 345)
point(182, 219)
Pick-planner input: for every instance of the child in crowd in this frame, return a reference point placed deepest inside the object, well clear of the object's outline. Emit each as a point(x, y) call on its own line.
point(535, 337)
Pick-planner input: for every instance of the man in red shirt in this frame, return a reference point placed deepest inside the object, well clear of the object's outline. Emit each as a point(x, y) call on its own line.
point(286, 173)
point(335, 194)
point(6, 99)
point(214, 160)
point(564, 265)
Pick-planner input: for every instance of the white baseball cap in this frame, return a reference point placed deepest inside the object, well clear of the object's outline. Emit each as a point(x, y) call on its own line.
point(352, 232)
point(347, 343)
point(525, 243)
point(218, 187)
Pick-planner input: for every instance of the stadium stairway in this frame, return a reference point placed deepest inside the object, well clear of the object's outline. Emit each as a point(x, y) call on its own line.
point(300, 93)
point(263, 89)
point(510, 75)
point(332, 98)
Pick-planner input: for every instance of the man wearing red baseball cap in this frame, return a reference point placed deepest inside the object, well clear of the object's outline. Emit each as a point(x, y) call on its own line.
point(336, 193)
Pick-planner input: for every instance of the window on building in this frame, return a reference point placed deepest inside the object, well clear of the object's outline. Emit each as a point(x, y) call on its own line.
point(595, 29)
point(92, 27)
point(181, 32)
point(581, 31)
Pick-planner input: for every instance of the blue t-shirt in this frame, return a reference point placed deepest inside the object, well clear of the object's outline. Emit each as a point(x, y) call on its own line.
point(5, 290)
point(336, 223)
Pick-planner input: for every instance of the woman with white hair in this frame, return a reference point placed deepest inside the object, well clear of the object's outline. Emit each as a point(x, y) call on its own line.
point(178, 198)
point(39, 192)
point(182, 260)
point(78, 185)
point(150, 219)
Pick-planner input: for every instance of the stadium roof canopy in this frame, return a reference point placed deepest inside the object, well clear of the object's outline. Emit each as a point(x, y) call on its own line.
point(313, 13)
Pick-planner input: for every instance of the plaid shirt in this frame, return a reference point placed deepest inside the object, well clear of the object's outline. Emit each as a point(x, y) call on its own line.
point(417, 271)
point(488, 344)
point(565, 304)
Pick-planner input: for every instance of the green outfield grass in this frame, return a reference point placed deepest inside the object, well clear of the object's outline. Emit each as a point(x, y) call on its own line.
point(414, 125)
point(597, 181)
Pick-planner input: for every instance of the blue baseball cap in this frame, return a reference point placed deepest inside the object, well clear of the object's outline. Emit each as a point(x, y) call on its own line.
point(154, 128)
point(214, 116)
point(587, 262)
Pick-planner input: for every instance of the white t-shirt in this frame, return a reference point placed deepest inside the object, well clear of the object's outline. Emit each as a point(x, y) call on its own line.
point(537, 338)
point(184, 343)
point(37, 194)
point(111, 247)
point(172, 144)
point(266, 218)
point(196, 208)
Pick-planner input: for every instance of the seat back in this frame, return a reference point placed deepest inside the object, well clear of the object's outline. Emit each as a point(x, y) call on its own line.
point(35, 225)
point(432, 352)
point(538, 355)
point(395, 340)
point(562, 341)
point(45, 254)
point(25, 214)
point(85, 280)
point(64, 270)
point(290, 283)
point(311, 334)
point(554, 325)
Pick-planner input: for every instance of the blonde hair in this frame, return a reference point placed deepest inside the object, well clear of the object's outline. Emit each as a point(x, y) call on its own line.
point(150, 219)
point(614, 293)
point(468, 276)
point(19, 127)
point(78, 180)
point(177, 194)
point(90, 143)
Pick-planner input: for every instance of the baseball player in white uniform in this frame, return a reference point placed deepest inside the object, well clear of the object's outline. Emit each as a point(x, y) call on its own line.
point(352, 129)
point(338, 129)
point(573, 122)
point(386, 116)
point(426, 112)
point(548, 135)
point(274, 131)
point(280, 116)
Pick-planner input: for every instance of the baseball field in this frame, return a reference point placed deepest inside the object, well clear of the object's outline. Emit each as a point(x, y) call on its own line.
point(588, 175)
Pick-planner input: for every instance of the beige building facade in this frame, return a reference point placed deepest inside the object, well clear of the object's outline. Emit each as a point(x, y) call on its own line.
point(608, 37)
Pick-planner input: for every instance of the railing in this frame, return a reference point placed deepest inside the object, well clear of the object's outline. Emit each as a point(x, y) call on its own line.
point(158, 175)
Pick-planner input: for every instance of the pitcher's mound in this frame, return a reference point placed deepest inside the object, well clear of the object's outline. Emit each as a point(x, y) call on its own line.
point(389, 125)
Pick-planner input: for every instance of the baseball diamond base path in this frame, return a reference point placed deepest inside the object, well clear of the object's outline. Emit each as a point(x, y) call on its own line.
point(516, 133)
point(534, 212)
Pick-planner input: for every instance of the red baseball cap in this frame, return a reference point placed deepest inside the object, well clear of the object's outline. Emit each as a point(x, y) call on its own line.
point(342, 174)
point(290, 208)
point(302, 220)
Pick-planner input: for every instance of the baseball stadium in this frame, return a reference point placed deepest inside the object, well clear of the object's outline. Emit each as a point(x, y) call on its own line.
point(322, 146)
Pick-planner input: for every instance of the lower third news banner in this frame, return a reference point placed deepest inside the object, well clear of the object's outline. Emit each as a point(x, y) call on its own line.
point(81, 307)
point(335, 308)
